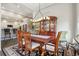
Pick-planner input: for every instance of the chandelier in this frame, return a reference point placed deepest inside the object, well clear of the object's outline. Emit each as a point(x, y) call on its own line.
point(38, 12)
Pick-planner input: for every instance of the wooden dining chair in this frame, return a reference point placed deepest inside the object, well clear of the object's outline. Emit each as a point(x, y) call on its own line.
point(19, 39)
point(29, 45)
point(52, 47)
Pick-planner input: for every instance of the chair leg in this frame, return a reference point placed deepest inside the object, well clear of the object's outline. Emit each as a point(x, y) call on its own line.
point(74, 52)
point(47, 53)
point(29, 53)
point(25, 51)
point(57, 52)
point(40, 50)
point(65, 52)
point(43, 52)
point(37, 53)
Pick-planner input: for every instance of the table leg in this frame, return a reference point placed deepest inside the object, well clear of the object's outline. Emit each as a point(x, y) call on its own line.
point(40, 48)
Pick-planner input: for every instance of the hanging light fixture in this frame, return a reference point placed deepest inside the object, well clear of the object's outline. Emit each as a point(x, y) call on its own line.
point(39, 12)
point(42, 15)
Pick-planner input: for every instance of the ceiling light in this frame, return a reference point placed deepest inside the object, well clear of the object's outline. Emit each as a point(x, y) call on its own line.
point(47, 18)
point(44, 17)
point(30, 19)
point(4, 21)
point(15, 23)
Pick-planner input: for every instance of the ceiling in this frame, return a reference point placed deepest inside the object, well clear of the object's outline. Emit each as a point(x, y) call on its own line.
point(18, 11)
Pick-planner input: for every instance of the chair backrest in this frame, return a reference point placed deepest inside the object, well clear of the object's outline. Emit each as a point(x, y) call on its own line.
point(51, 33)
point(59, 35)
point(57, 39)
point(27, 37)
point(64, 36)
point(19, 38)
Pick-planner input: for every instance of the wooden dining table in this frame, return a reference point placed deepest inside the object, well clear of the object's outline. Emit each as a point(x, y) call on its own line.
point(41, 39)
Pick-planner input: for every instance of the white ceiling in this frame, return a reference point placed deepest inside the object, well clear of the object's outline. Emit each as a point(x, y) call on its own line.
point(15, 11)
point(35, 6)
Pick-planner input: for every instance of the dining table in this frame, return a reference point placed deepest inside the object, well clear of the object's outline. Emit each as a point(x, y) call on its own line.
point(41, 39)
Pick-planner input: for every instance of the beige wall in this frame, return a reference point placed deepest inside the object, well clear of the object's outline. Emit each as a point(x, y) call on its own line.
point(4, 25)
point(66, 14)
point(77, 19)
point(0, 29)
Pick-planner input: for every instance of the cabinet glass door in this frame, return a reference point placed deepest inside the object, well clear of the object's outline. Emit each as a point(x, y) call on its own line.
point(46, 25)
point(52, 24)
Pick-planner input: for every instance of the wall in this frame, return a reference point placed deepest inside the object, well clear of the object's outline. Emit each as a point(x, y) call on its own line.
point(15, 25)
point(77, 21)
point(77, 32)
point(0, 29)
point(4, 25)
point(65, 15)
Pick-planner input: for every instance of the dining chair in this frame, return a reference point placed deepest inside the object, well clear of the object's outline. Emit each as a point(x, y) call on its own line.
point(52, 47)
point(29, 45)
point(75, 46)
point(19, 39)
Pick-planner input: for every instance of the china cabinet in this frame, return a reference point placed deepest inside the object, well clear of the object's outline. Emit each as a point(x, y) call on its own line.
point(48, 26)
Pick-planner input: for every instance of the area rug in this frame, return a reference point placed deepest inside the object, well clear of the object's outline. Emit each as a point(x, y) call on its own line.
point(13, 51)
